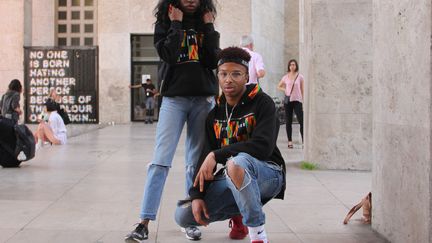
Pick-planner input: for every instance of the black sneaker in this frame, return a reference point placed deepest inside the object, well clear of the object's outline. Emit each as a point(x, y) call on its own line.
point(192, 233)
point(138, 235)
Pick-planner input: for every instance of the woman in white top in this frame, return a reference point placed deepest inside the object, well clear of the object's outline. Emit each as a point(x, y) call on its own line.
point(292, 84)
point(54, 131)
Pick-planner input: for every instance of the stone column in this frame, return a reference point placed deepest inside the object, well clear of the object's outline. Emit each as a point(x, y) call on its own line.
point(268, 31)
point(11, 42)
point(43, 23)
point(336, 60)
point(292, 17)
point(232, 21)
point(402, 120)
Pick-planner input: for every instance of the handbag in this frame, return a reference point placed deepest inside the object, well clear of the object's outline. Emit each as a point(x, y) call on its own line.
point(64, 115)
point(287, 97)
point(366, 204)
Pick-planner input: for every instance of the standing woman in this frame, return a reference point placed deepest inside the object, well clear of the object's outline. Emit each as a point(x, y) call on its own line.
point(292, 84)
point(187, 44)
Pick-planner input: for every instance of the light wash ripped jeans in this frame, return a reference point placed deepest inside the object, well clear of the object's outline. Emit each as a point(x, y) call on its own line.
point(262, 181)
point(174, 113)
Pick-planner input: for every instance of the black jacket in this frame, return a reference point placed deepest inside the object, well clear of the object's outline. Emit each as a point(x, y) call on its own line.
point(254, 129)
point(8, 103)
point(188, 51)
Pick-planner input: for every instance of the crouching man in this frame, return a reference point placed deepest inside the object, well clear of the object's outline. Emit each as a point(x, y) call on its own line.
point(241, 134)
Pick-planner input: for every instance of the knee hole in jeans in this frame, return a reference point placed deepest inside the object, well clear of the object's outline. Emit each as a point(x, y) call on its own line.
point(236, 174)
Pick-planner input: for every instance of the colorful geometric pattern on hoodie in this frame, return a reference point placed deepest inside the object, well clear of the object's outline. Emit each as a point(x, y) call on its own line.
point(239, 129)
point(192, 41)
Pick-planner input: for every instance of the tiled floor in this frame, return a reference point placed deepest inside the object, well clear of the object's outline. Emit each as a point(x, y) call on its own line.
point(90, 191)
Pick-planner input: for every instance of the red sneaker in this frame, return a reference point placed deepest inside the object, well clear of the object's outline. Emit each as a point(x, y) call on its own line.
point(238, 230)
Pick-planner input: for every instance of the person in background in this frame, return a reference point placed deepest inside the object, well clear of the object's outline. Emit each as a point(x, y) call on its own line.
point(54, 131)
point(256, 64)
point(150, 93)
point(10, 102)
point(7, 142)
point(187, 44)
point(292, 84)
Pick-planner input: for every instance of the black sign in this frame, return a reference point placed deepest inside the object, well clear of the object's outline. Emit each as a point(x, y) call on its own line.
point(72, 73)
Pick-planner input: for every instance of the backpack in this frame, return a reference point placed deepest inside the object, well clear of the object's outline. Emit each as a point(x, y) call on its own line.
point(63, 114)
point(25, 143)
point(366, 204)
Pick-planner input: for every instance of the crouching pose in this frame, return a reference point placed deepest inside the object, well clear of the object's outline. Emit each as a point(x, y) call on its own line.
point(241, 135)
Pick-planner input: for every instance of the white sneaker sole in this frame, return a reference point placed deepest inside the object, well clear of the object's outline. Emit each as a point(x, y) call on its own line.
point(187, 236)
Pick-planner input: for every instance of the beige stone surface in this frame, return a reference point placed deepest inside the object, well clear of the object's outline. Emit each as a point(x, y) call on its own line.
point(268, 31)
point(11, 42)
point(292, 18)
point(336, 60)
point(90, 190)
point(43, 19)
point(232, 21)
point(402, 120)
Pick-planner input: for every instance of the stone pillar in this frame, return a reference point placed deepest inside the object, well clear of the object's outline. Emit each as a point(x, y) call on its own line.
point(336, 60)
point(43, 23)
point(116, 21)
point(232, 21)
point(402, 114)
point(11, 42)
point(292, 17)
point(268, 31)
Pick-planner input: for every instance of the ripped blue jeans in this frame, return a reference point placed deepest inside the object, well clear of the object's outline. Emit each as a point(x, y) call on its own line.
point(262, 181)
point(174, 113)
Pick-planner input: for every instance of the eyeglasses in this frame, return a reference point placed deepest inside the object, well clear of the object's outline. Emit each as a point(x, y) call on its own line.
point(235, 76)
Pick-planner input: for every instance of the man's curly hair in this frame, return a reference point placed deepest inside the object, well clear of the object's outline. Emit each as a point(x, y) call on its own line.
point(234, 52)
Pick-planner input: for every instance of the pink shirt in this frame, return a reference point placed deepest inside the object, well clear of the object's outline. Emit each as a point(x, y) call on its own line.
point(255, 64)
point(296, 94)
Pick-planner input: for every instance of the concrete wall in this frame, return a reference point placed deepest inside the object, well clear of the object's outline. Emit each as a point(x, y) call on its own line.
point(11, 42)
point(116, 21)
point(292, 17)
point(43, 23)
point(402, 120)
point(336, 61)
point(268, 31)
point(34, 21)
point(233, 20)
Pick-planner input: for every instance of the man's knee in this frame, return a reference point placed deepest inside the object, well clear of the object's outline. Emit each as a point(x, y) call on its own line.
point(183, 215)
point(235, 173)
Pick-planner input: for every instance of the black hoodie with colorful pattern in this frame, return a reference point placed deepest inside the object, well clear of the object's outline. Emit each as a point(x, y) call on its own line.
point(253, 128)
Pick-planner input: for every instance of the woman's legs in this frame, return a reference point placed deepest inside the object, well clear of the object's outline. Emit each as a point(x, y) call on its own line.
point(289, 108)
point(170, 125)
point(195, 138)
point(45, 133)
point(298, 109)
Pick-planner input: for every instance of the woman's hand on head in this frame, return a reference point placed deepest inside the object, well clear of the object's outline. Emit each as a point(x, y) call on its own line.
point(208, 17)
point(174, 13)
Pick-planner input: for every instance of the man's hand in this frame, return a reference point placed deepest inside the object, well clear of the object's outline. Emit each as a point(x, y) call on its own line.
point(208, 17)
point(174, 13)
point(205, 172)
point(198, 209)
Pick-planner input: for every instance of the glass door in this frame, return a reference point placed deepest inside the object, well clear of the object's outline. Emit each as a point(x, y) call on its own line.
point(145, 61)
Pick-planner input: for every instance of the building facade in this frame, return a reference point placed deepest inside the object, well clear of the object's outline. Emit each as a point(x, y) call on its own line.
point(121, 32)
